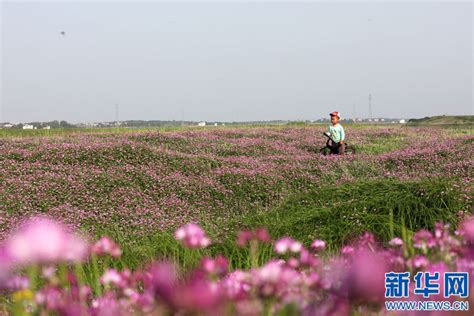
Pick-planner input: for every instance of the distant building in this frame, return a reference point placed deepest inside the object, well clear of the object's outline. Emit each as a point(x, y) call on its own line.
point(28, 126)
point(47, 127)
point(215, 124)
point(8, 125)
point(202, 124)
point(402, 121)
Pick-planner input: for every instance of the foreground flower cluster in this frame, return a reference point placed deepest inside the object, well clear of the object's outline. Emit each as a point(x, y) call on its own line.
point(47, 268)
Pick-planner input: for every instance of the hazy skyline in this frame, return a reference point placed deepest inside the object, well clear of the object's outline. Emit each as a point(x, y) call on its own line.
point(234, 61)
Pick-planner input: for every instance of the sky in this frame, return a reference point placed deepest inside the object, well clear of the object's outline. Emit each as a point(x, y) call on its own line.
point(234, 61)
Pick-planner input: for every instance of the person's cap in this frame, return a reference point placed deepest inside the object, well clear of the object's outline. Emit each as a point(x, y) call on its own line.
point(335, 113)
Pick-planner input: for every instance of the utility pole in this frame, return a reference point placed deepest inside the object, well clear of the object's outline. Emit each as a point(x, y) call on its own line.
point(354, 112)
point(116, 114)
point(370, 106)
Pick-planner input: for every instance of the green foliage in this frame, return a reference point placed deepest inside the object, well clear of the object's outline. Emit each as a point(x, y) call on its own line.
point(444, 120)
point(334, 213)
point(339, 213)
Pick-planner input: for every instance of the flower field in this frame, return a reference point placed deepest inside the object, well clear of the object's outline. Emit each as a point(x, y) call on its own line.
point(333, 225)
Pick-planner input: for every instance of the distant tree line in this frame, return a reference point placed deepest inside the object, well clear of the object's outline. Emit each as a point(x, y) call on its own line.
point(39, 125)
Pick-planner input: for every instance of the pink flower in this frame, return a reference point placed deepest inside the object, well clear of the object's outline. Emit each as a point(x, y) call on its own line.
point(243, 237)
point(42, 240)
point(366, 240)
point(308, 259)
point(366, 277)
point(318, 245)
point(112, 276)
point(396, 242)
point(293, 262)
point(423, 239)
point(467, 230)
point(5, 266)
point(262, 234)
point(286, 244)
point(106, 246)
point(51, 297)
point(419, 262)
point(107, 305)
point(347, 250)
point(216, 266)
point(161, 279)
point(237, 284)
point(48, 272)
point(198, 295)
point(192, 236)
point(296, 246)
point(17, 282)
point(274, 278)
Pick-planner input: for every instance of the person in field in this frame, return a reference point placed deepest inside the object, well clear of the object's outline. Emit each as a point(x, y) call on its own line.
point(336, 132)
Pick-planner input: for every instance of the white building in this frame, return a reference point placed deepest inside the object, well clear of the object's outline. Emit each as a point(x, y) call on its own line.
point(47, 127)
point(402, 122)
point(202, 124)
point(28, 126)
point(8, 125)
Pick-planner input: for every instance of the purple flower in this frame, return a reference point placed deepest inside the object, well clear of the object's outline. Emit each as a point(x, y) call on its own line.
point(308, 259)
point(286, 244)
point(112, 276)
point(217, 266)
point(106, 246)
point(260, 234)
point(243, 237)
point(108, 305)
point(274, 279)
point(192, 236)
point(347, 250)
point(42, 240)
point(5, 266)
point(198, 295)
point(17, 283)
point(467, 230)
point(161, 279)
point(366, 277)
point(237, 284)
point(395, 242)
point(423, 239)
point(318, 245)
point(419, 262)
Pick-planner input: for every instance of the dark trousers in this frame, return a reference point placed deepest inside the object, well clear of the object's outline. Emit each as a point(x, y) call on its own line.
point(338, 148)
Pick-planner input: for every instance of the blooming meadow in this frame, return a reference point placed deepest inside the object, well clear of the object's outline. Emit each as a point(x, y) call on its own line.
point(173, 222)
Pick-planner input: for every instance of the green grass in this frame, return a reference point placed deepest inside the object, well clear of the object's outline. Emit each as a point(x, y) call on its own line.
point(444, 120)
point(13, 132)
point(335, 213)
point(340, 213)
point(383, 143)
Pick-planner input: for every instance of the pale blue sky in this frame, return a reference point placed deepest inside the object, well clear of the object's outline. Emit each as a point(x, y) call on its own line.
point(234, 61)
